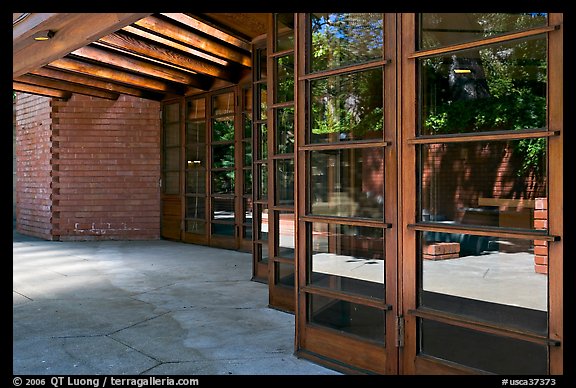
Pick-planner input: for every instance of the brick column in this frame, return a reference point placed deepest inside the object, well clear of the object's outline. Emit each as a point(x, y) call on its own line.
point(541, 246)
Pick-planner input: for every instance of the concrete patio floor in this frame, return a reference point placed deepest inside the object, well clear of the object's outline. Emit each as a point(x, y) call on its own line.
point(145, 308)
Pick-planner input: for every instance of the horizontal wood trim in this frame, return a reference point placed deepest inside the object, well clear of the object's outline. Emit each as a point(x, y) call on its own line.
point(346, 221)
point(483, 136)
point(348, 297)
point(427, 365)
point(482, 231)
point(289, 156)
point(343, 70)
point(281, 53)
point(483, 42)
point(503, 202)
point(344, 145)
point(283, 260)
point(288, 104)
point(66, 86)
point(460, 321)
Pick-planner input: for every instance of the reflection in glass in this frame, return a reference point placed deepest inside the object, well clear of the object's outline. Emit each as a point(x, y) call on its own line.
point(247, 205)
point(195, 156)
point(223, 129)
point(352, 318)
point(347, 107)
point(223, 104)
point(285, 182)
point(284, 274)
point(195, 207)
point(347, 183)
point(347, 258)
point(478, 350)
point(285, 78)
point(196, 132)
point(171, 134)
point(285, 222)
point(284, 31)
point(484, 183)
point(223, 209)
point(488, 278)
point(197, 227)
point(262, 213)
point(196, 109)
point(223, 156)
point(223, 182)
point(172, 158)
point(501, 87)
point(171, 113)
point(262, 180)
point(171, 182)
point(285, 130)
point(263, 145)
point(341, 39)
point(196, 181)
point(443, 29)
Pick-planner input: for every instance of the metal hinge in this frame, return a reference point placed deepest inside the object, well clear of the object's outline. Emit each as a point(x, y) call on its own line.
point(400, 331)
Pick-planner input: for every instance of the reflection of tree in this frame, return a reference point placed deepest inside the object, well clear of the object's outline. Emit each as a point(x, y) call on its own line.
point(496, 88)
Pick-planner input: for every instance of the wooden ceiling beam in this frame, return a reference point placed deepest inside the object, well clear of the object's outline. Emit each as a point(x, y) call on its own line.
point(95, 83)
point(106, 73)
point(66, 86)
point(80, 30)
point(40, 90)
point(125, 41)
point(139, 66)
point(200, 42)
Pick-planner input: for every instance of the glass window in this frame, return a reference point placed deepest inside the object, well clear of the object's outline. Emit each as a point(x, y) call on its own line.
point(347, 107)
point(223, 182)
point(172, 113)
point(263, 145)
point(171, 182)
point(263, 95)
point(499, 183)
point(284, 182)
point(196, 180)
point(488, 278)
point(284, 130)
point(223, 104)
point(195, 208)
point(500, 87)
point(352, 318)
point(247, 181)
point(172, 158)
point(223, 129)
point(347, 258)
point(483, 351)
point(284, 274)
point(284, 78)
point(341, 39)
point(444, 29)
point(284, 31)
point(347, 183)
point(171, 134)
point(197, 227)
point(223, 156)
point(285, 224)
point(196, 132)
point(196, 109)
point(223, 209)
point(262, 188)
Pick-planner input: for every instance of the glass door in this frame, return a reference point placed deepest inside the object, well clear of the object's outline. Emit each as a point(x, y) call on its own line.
point(482, 241)
point(347, 168)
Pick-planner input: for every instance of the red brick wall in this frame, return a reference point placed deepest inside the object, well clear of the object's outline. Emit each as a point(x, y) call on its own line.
point(33, 166)
point(106, 169)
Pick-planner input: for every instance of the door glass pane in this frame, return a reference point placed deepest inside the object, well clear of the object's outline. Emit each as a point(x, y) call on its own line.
point(247, 124)
point(172, 113)
point(285, 223)
point(223, 209)
point(262, 170)
point(483, 351)
point(261, 71)
point(197, 227)
point(223, 104)
point(195, 156)
point(225, 230)
point(284, 78)
point(247, 205)
point(223, 182)
point(196, 207)
point(284, 31)
point(347, 107)
point(352, 318)
point(172, 158)
point(196, 181)
point(171, 182)
point(223, 156)
point(195, 132)
point(262, 213)
point(341, 39)
point(285, 182)
point(196, 109)
point(171, 134)
point(443, 29)
point(347, 183)
point(284, 130)
point(246, 153)
point(494, 279)
point(347, 258)
point(223, 129)
point(500, 87)
point(263, 144)
point(284, 274)
point(247, 181)
point(500, 183)
point(263, 93)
